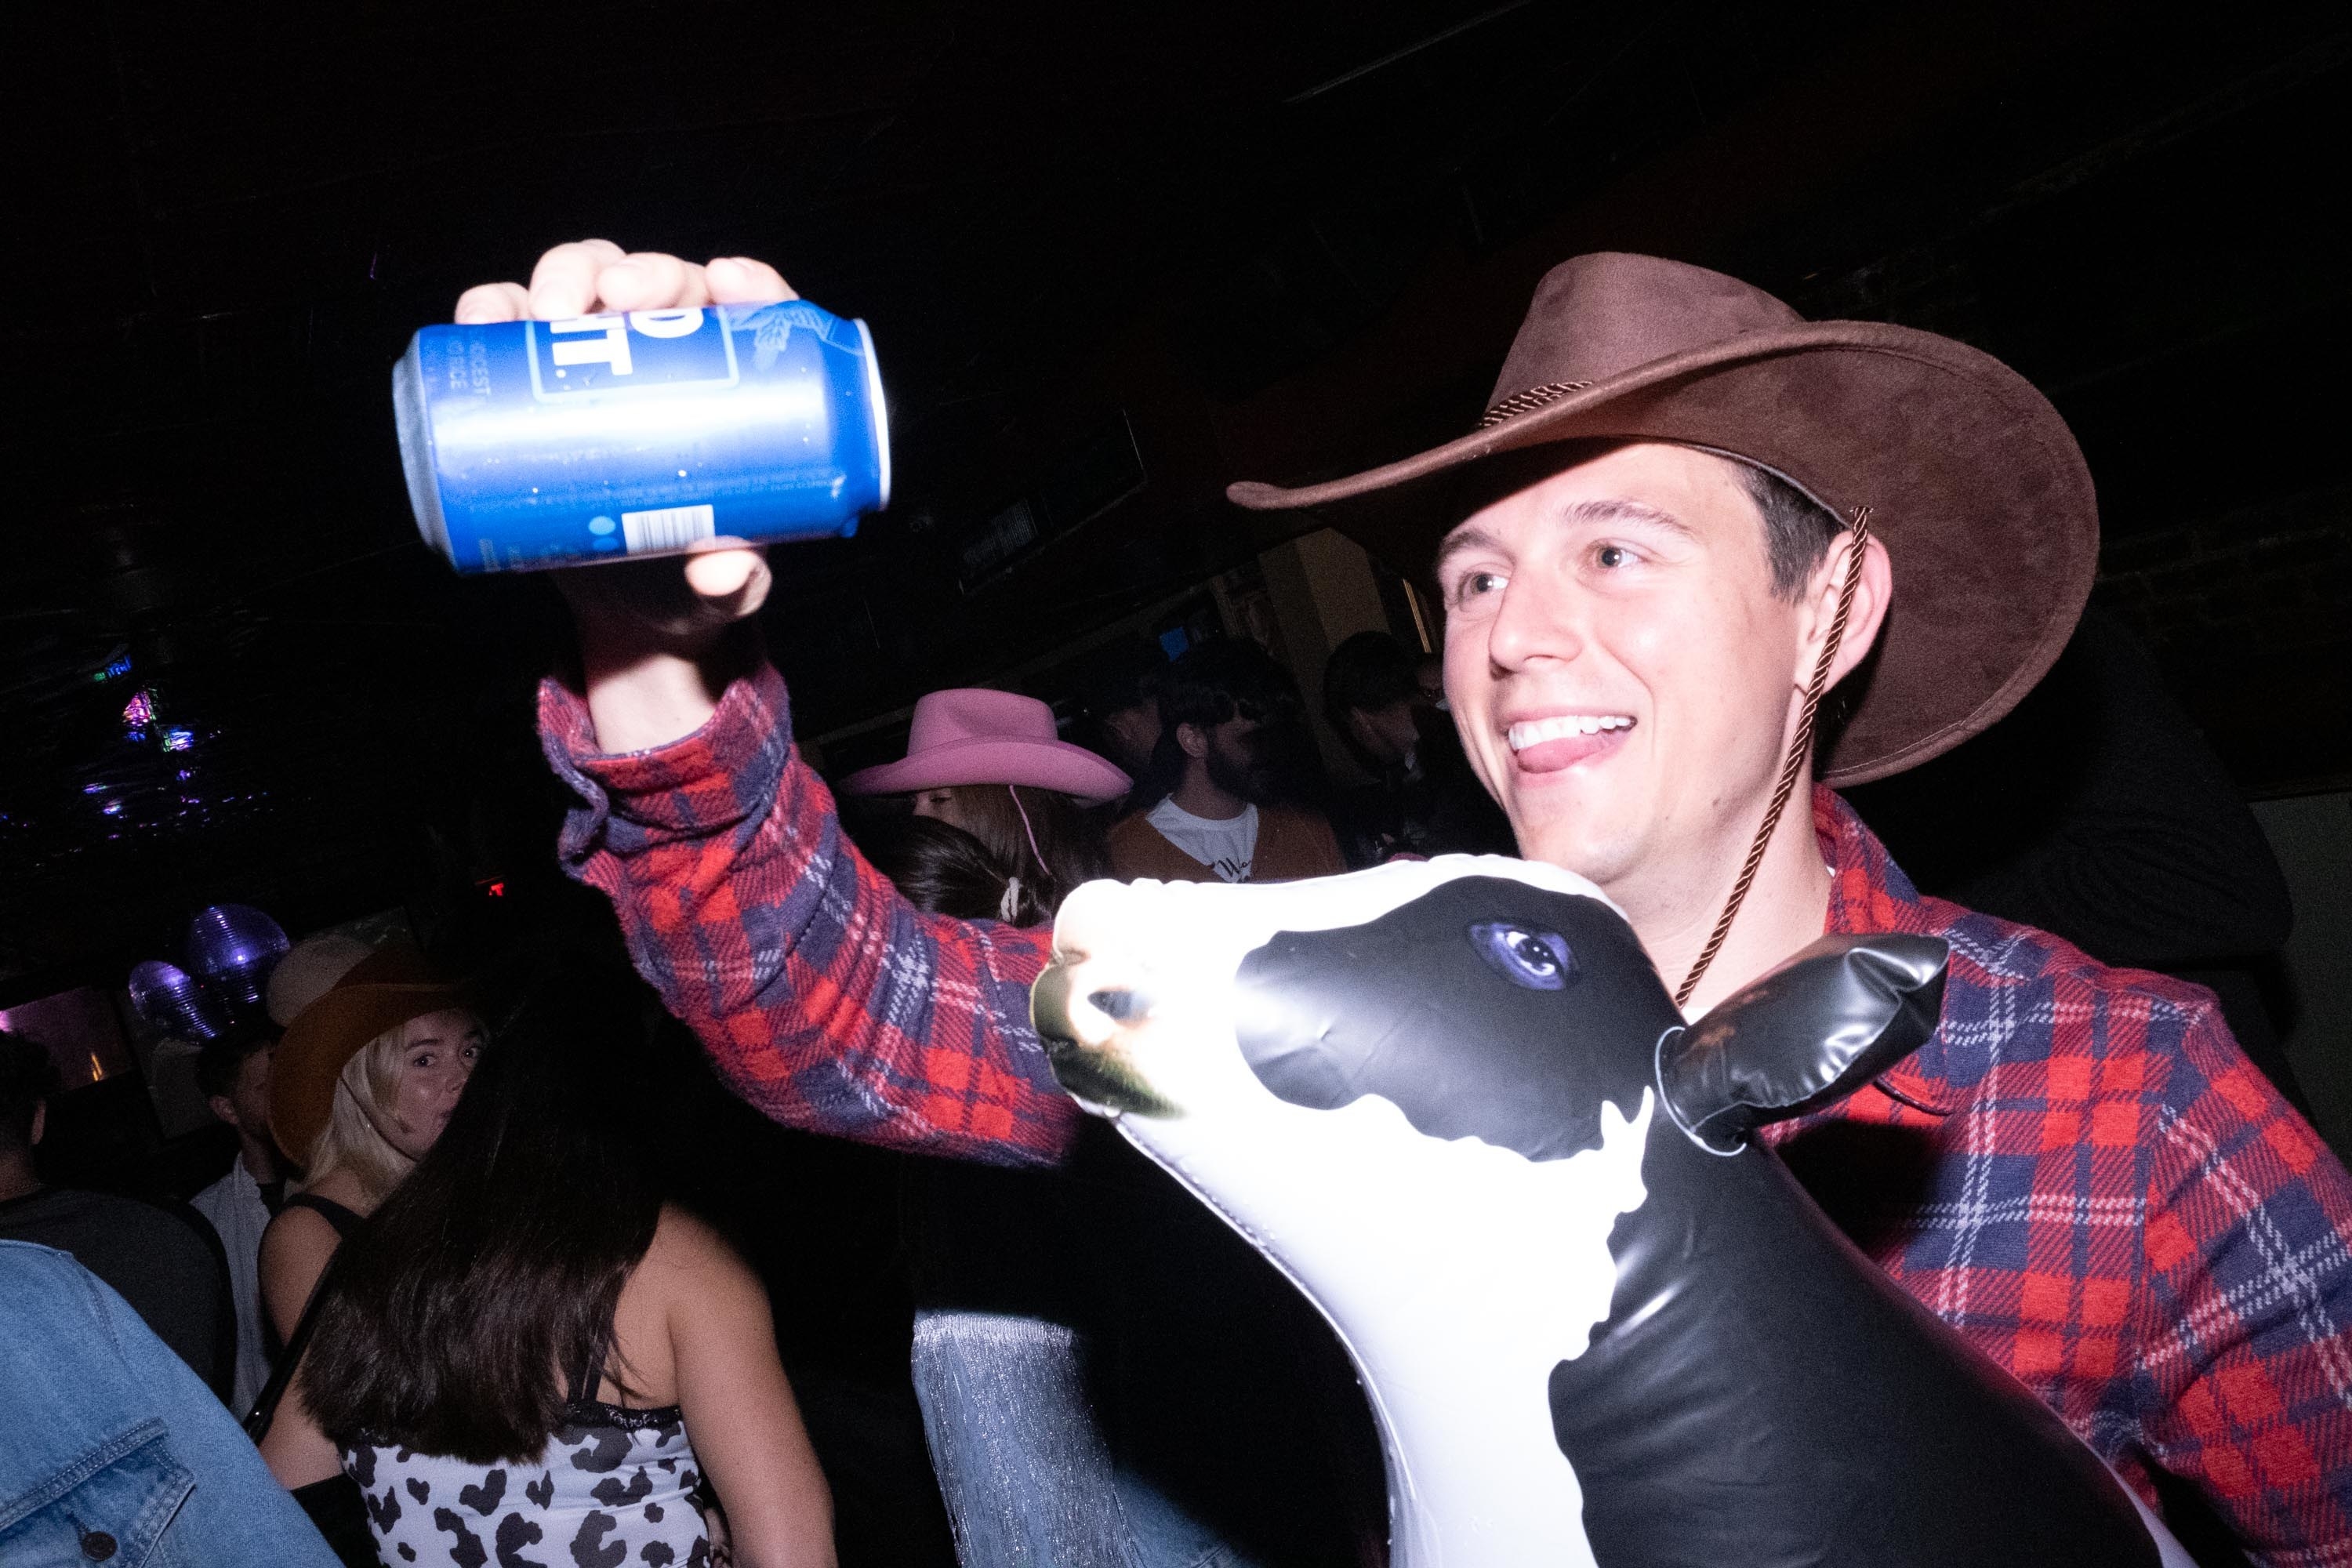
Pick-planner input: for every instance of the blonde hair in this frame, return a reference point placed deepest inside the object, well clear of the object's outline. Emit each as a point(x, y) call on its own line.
point(351, 1141)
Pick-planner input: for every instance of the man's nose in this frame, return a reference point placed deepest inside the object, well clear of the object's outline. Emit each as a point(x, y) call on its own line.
point(1536, 620)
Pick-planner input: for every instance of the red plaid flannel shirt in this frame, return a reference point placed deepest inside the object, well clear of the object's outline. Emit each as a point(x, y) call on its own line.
point(2081, 1172)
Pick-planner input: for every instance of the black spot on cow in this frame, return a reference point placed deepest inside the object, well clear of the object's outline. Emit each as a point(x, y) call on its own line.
point(657, 1555)
point(465, 1548)
point(613, 1494)
point(484, 1499)
point(1473, 1009)
point(515, 1533)
point(421, 1490)
point(589, 1549)
point(360, 1463)
point(385, 1510)
point(542, 1491)
point(407, 1553)
point(652, 1513)
point(607, 1447)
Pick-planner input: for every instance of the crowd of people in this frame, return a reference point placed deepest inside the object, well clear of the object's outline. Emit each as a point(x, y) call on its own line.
point(444, 1289)
point(394, 1228)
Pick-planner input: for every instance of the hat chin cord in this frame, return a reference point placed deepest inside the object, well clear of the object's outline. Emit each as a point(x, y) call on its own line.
point(1800, 746)
point(1015, 791)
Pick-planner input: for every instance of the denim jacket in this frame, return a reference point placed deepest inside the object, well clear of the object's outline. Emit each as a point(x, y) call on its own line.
point(111, 1451)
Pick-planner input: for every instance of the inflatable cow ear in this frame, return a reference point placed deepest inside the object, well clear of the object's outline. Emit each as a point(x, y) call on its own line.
point(1810, 1033)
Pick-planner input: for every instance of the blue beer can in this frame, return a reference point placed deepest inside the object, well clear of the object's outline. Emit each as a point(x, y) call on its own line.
point(537, 444)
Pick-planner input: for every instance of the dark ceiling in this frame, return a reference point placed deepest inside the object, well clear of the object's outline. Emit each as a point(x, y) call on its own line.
point(1276, 239)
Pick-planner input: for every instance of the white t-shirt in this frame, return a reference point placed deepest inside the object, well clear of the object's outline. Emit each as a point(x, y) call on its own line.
point(234, 1205)
point(1225, 846)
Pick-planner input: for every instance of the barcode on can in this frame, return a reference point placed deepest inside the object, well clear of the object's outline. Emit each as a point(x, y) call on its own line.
point(670, 527)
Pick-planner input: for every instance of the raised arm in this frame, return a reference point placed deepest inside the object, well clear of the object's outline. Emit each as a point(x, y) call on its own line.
point(827, 1000)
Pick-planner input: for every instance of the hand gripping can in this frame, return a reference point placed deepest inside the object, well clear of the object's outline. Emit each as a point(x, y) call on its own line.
point(538, 443)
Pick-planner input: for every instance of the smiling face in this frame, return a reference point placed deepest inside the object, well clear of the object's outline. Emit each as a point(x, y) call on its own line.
point(1624, 676)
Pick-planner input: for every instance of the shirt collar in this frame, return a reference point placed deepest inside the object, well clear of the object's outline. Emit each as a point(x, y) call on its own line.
point(1869, 892)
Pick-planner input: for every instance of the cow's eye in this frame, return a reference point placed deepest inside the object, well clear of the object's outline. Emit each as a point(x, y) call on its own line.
point(1537, 960)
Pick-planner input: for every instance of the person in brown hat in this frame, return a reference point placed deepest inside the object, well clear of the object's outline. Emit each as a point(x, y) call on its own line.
point(1701, 561)
point(377, 1048)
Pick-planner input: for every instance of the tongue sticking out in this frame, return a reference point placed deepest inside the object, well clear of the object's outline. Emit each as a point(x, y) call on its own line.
point(1551, 745)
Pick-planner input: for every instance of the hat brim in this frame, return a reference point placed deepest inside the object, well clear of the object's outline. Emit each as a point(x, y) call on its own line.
point(1033, 764)
point(329, 1033)
point(1974, 484)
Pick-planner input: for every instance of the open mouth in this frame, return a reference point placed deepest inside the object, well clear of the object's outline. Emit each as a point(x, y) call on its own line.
point(1097, 1071)
point(1564, 739)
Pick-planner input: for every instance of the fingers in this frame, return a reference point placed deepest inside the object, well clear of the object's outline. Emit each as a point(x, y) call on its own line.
point(651, 280)
point(493, 302)
point(740, 281)
point(591, 275)
point(565, 282)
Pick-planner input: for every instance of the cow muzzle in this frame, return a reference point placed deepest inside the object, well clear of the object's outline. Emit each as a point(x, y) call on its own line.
point(1090, 1026)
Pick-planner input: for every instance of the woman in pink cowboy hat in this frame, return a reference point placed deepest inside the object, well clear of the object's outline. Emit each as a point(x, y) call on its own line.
point(991, 763)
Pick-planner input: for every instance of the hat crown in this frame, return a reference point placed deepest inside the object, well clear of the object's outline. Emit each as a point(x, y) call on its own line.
point(1601, 315)
point(976, 713)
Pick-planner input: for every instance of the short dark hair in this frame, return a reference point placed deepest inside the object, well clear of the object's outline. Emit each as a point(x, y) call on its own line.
point(220, 1059)
point(1230, 678)
point(27, 1077)
point(441, 1326)
point(1797, 530)
point(1122, 676)
point(1367, 673)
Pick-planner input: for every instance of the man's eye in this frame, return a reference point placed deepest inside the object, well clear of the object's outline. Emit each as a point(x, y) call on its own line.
point(1531, 959)
point(1611, 556)
point(1477, 585)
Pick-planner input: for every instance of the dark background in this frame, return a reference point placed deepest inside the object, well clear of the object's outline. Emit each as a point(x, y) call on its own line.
point(1272, 241)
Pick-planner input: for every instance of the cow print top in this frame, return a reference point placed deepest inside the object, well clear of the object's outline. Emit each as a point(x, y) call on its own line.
point(611, 1490)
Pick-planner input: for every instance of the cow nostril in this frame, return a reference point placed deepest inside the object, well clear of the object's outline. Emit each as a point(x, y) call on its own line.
point(1118, 1004)
point(1049, 1004)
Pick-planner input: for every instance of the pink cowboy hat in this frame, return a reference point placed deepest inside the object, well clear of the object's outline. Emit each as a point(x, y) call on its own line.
point(975, 736)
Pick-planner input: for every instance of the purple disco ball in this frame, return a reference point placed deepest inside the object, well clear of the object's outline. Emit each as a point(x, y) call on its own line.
point(233, 948)
point(169, 998)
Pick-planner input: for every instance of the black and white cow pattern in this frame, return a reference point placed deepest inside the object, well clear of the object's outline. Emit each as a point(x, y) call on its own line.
point(1453, 1103)
point(613, 1490)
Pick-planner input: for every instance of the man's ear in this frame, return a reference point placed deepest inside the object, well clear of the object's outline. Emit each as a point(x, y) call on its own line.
point(224, 1109)
point(41, 1125)
point(1194, 739)
point(1807, 1034)
point(1871, 596)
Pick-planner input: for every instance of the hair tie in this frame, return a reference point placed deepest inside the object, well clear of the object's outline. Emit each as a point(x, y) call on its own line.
point(1008, 907)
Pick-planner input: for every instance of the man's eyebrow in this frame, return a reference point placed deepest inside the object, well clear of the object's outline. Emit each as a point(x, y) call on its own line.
point(1470, 537)
point(1617, 510)
point(1466, 538)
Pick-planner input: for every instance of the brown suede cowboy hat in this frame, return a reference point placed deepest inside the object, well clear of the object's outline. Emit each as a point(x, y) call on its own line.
point(375, 993)
point(1972, 480)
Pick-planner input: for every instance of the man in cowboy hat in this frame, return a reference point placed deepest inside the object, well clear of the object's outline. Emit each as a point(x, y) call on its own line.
point(1688, 516)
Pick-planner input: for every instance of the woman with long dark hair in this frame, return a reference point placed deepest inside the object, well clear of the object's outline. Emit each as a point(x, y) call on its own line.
point(526, 1355)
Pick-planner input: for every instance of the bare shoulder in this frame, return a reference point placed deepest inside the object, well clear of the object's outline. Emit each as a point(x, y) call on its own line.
point(687, 1256)
point(295, 1250)
point(296, 1244)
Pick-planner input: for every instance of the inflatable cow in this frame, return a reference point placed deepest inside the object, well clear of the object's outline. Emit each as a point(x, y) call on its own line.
point(1452, 1101)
